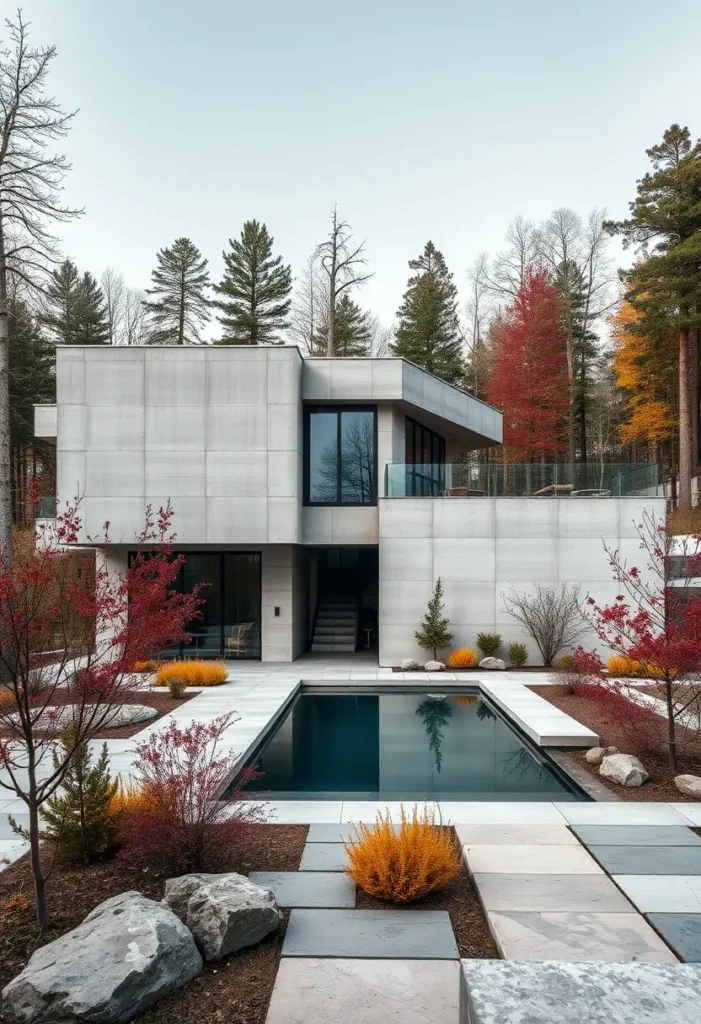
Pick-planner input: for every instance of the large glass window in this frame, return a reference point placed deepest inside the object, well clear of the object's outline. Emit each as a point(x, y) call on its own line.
point(228, 624)
point(341, 459)
point(425, 459)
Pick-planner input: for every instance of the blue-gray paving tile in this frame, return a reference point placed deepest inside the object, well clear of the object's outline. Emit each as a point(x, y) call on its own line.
point(682, 932)
point(307, 888)
point(371, 934)
point(649, 860)
point(636, 835)
point(324, 857)
point(330, 833)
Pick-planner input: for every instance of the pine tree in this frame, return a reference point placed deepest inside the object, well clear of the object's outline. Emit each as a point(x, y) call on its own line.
point(435, 715)
point(665, 224)
point(180, 306)
point(429, 331)
point(78, 823)
point(354, 330)
point(75, 313)
point(570, 286)
point(255, 289)
point(434, 634)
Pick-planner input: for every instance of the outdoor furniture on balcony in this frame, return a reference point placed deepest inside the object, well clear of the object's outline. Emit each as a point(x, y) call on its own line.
point(237, 643)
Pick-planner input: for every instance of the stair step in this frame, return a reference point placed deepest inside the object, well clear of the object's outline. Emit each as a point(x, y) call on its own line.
point(333, 648)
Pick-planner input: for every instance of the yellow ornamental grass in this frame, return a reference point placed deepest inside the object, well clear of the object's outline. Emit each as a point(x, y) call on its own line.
point(406, 864)
point(192, 673)
point(151, 665)
point(129, 799)
point(463, 657)
point(464, 698)
point(620, 666)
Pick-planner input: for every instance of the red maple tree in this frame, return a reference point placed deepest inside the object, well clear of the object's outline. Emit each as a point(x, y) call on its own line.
point(655, 621)
point(529, 381)
point(95, 633)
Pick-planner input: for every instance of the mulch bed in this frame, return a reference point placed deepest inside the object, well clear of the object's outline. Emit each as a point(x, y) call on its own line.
point(235, 991)
point(660, 785)
point(161, 700)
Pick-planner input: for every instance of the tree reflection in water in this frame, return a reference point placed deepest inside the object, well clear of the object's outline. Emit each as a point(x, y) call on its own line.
point(435, 715)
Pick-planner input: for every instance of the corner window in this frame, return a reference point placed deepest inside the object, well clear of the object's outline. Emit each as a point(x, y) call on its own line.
point(340, 459)
point(425, 461)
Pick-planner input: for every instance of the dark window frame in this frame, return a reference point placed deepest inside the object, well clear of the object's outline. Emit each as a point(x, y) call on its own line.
point(185, 649)
point(423, 440)
point(309, 411)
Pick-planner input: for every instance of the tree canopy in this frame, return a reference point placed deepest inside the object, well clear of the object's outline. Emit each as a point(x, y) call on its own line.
point(255, 290)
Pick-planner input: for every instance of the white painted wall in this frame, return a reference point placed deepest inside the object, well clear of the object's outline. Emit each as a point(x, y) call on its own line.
point(481, 547)
point(216, 430)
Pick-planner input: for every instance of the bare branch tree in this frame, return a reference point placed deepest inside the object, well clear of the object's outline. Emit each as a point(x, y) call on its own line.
point(134, 321)
point(507, 273)
point(31, 180)
point(552, 616)
point(308, 307)
point(345, 265)
point(114, 291)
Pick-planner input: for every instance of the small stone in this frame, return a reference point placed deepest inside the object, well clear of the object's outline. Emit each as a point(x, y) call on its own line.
point(128, 953)
point(224, 912)
point(690, 785)
point(409, 665)
point(493, 664)
point(434, 666)
point(597, 754)
point(624, 769)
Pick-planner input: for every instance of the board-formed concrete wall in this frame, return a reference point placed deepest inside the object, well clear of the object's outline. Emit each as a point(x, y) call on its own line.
point(218, 432)
point(481, 548)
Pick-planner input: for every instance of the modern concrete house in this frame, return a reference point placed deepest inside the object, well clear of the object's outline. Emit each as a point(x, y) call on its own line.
point(319, 499)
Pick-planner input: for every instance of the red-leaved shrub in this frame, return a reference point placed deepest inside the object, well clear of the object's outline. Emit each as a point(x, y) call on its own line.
point(183, 826)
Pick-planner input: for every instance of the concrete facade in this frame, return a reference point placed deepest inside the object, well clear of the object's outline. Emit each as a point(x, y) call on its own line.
point(219, 432)
point(482, 547)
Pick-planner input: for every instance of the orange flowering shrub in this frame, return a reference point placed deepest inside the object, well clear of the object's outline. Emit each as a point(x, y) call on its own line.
point(403, 864)
point(463, 657)
point(192, 673)
point(617, 665)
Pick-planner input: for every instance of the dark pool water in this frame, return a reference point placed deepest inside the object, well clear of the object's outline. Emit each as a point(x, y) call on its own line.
point(403, 747)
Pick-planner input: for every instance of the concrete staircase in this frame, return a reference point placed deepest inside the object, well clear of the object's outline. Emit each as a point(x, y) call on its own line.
point(336, 626)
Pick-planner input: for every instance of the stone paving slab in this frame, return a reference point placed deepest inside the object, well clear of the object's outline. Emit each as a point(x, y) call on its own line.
point(331, 833)
point(583, 812)
point(531, 860)
point(371, 934)
point(519, 835)
point(663, 894)
point(578, 937)
point(682, 932)
point(515, 992)
point(307, 888)
point(636, 835)
point(542, 893)
point(316, 991)
point(649, 860)
point(324, 857)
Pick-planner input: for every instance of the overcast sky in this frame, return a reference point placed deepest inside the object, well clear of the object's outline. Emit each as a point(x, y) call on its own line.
point(421, 120)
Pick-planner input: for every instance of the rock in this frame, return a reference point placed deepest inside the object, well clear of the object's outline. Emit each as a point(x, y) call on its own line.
point(409, 665)
point(690, 785)
point(125, 956)
point(434, 666)
point(225, 913)
point(623, 769)
point(597, 754)
point(493, 664)
point(56, 719)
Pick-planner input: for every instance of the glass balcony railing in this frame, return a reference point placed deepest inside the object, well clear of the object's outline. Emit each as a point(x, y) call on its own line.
point(46, 508)
point(518, 480)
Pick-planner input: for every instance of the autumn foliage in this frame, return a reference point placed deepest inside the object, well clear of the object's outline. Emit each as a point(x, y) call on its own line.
point(529, 382)
point(463, 657)
point(192, 673)
point(405, 864)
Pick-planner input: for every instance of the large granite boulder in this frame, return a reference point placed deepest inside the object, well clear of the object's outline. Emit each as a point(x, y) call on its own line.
point(624, 769)
point(225, 913)
point(689, 785)
point(597, 754)
point(409, 665)
point(434, 666)
point(493, 664)
point(125, 956)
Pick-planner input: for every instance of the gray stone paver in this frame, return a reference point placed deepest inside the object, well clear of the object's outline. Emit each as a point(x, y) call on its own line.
point(371, 934)
point(649, 860)
point(343, 991)
point(542, 893)
point(541, 859)
point(307, 888)
point(515, 835)
point(330, 833)
point(636, 835)
point(515, 992)
point(682, 932)
point(663, 894)
point(324, 857)
point(578, 937)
